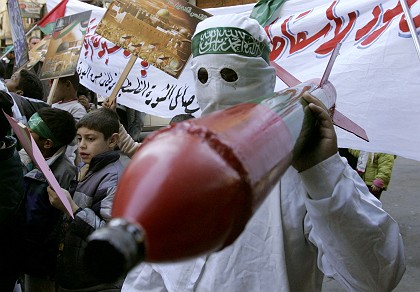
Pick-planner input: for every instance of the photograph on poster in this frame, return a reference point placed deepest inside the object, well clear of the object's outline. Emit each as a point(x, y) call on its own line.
point(158, 31)
point(37, 53)
point(65, 46)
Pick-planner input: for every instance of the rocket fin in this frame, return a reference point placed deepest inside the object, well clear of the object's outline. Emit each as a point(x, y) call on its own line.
point(285, 76)
point(345, 123)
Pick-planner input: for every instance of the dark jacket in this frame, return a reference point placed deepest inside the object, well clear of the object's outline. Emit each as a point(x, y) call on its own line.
point(42, 221)
point(27, 106)
point(7, 69)
point(11, 213)
point(11, 180)
point(95, 195)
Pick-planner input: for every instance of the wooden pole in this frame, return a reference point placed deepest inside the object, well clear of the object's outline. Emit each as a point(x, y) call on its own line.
point(52, 91)
point(112, 98)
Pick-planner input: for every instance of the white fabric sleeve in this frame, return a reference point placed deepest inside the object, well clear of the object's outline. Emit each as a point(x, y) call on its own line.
point(79, 112)
point(359, 244)
point(126, 144)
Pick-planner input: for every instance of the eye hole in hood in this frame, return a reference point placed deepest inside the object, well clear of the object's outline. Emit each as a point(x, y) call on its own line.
point(203, 75)
point(228, 75)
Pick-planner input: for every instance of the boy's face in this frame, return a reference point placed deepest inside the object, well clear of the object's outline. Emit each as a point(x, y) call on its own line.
point(11, 55)
point(92, 143)
point(33, 43)
point(38, 140)
point(43, 144)
point(12, 84)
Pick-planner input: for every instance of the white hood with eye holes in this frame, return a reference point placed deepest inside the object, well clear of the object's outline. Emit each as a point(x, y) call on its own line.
point(256, 77)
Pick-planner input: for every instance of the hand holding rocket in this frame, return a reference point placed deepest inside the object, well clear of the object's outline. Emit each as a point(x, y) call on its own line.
point(314, 146)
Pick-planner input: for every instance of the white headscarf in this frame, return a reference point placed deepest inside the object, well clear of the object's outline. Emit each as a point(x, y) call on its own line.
point(230, 42)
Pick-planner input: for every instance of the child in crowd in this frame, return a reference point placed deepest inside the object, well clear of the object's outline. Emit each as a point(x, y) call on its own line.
point(52, 129)
point(97, 136)
point(26, 90)
point(65, 98)
point(11, 213)
point(375, 169)
point(25, 83)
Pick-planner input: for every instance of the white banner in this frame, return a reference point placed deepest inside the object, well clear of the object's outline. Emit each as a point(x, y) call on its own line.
point(376, 74)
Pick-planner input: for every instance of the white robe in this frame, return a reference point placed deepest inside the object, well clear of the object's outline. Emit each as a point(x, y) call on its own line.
point(320, 221)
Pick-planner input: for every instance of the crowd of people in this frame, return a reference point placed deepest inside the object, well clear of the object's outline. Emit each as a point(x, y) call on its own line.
point(319, 220)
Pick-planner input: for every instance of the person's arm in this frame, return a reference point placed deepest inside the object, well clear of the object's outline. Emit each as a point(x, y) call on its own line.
point(79, 112)
point(56, 202)
point(92, 217)
point(359, 244)
point(27, 164)
point(105, 190)
point(126, 143)
point(85, 102)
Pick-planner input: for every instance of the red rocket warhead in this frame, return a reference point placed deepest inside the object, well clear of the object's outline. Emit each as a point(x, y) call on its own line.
point(192, 187)
point(168, 186)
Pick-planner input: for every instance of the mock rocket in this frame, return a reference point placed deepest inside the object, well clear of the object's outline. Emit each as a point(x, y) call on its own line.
point(191, 187)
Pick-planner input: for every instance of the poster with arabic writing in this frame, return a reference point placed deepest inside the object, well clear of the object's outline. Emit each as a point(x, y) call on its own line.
point(157, 31)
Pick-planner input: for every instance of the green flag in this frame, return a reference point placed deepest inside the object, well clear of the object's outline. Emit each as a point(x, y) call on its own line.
point(264, 9)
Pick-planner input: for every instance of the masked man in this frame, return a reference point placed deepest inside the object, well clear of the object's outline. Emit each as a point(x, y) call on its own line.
point(320, 219)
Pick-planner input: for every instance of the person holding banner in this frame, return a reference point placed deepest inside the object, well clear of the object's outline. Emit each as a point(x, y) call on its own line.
point(320, 220)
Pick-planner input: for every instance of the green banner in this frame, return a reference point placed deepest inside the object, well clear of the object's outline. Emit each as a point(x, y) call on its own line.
point(264, 10)
point(228, 40)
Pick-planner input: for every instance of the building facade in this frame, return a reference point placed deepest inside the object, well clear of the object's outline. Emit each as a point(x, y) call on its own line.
point(31, 11)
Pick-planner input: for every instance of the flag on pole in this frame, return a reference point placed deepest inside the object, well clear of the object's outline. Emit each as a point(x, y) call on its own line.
point(47, 23)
